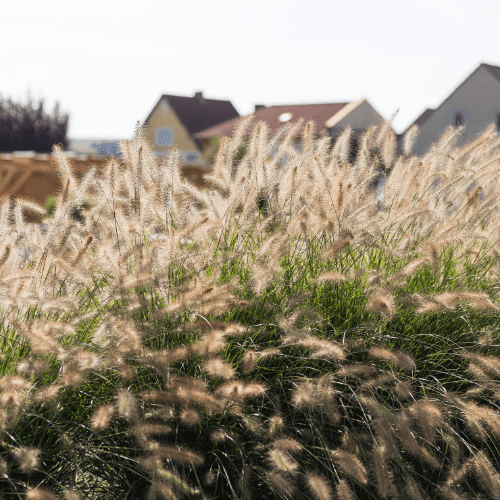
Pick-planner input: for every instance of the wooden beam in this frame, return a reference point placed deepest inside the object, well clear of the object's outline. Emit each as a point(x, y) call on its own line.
point(8, 175)
point(19, 183)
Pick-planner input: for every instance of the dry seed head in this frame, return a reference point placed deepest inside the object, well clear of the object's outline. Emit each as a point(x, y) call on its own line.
point(254, 426)
point(276, 425)
point(304, 395)
point(282, 484)
point(87, 360)
point(101, 418)
point(383, 475)
point(382, 303)
point(48, 394)
point(40, 494)
point(215, 367)
point(399, 360)
point(27, 458)
point(287, 444)
point(319, 487)
point(249, 361)
point(350, 465)
point(430, 307)
point(429, 417)
point(282, 461)
point(332, 277)
point(71, 495)
point(218, 436)
point(321, 347)
point(190, 417)
point(180, 455)
point(154, 429)
point(356, 371)
point(71, 377)
point(409, 269)
point(403, 390)
point(16, 383)
point(126, 405)
point(489, 478)
point(343, 491)
point(233, 329)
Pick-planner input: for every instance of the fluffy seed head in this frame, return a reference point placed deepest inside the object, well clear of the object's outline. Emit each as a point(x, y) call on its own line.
point(382, 303)
point(102, 416)
point(319, 487)
point(27, 458)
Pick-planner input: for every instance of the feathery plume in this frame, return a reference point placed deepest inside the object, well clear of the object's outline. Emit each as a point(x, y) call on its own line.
point(282, 484)
point(331, 277)
point(350, 465)
point(319, 487)
point(40, 493)
point(190, 417)
point(102, 417)
point(27, 458)
point(382, 303)
point(344, 492)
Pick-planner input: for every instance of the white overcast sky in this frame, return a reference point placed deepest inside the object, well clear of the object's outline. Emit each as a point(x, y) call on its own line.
point(107, 62)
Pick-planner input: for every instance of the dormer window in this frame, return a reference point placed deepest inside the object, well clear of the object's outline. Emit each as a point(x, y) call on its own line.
point(458, 118)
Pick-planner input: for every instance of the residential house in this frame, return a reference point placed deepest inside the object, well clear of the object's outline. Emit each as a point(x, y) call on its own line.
point(175, 121)
point(101, 147)
point(475, 103)
point(330, 119)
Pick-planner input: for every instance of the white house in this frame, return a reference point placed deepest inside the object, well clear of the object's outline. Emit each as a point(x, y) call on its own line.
point(475, 103)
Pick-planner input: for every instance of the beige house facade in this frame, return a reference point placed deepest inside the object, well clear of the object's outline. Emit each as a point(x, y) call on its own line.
point(175, 120)
point(475, 103)
point(359, 115)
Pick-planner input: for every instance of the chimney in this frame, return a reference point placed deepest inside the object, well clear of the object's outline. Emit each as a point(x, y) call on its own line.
point(259, 106)
point(199, 96)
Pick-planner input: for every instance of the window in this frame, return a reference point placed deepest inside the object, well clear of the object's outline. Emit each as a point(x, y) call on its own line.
point(496, 119)
point(165, 136)
point(191, 157)
point(458, 118)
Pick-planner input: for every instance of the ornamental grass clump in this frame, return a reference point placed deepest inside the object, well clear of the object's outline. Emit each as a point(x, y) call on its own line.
point(288, 331)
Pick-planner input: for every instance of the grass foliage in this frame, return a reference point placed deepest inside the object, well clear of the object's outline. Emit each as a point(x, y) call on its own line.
point(286, 332)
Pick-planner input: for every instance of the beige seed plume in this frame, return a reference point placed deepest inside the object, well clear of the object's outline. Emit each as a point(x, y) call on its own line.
point(319, 487)
point(282, 484)
point(27, 458)
point(332, 277)
point(343, 491)
point(190, 417)
point(382, 303)
point(350, 465)
point(71, 495)
point(40, 493)
point(215, 367)
point(102, 416)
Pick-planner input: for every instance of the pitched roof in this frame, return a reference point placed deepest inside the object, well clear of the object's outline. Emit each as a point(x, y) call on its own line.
point(319, 113)
point(198, 113)
point(493, 70)
point(421, 119)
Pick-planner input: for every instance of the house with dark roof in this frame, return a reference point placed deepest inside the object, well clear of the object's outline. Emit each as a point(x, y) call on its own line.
point(329, 118)
point(475, 103)
point(175, 121)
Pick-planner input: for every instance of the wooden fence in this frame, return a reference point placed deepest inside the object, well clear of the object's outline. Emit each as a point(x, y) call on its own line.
point(35, 176)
